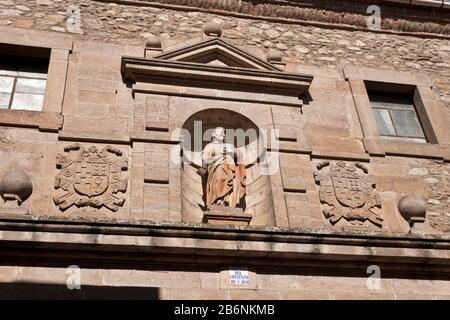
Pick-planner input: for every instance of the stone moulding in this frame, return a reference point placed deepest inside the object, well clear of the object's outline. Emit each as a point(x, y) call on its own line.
point(148, 244)
point(139, 69)
point(43, 120)
point(397, 18)
point(198, 80)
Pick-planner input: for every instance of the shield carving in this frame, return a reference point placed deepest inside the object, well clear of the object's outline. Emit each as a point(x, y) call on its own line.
point(91, 178)
point(348, 191)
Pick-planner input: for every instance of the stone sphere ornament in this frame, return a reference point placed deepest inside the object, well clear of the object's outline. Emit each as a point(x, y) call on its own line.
point(412, 208)
point(212, 29)
point(17, 185)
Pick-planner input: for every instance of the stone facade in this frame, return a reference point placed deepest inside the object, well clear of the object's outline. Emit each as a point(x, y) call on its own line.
point(111, 195)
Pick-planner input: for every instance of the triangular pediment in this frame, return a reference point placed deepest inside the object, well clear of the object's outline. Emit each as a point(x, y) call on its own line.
point(216, 52)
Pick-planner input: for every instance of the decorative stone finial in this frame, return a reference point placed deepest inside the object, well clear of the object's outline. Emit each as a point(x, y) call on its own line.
point(413, 209)
point(153, 46)
point(16, 186)
point(153, 42)
point(212, 29)
point(273, 56)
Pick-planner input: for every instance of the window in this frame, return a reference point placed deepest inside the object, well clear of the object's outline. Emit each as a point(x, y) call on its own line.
point(396, 116)
point(22, 80)
point(400, 113)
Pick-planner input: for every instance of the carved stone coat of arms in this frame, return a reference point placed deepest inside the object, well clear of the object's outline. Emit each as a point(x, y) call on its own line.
point(349, 191)
point(92, 178)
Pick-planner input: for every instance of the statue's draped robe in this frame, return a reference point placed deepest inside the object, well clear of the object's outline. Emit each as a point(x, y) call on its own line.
point(226, 182)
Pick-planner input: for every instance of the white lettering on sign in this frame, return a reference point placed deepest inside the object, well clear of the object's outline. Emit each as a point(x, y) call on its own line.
point(239, 277)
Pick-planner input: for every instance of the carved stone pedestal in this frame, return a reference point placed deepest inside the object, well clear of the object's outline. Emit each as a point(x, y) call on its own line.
point(12, 205)
point(226, 215)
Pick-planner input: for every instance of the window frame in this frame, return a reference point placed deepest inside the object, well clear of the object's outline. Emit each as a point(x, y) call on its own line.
point(391, 110)
point(60, 45)
point(432, 114)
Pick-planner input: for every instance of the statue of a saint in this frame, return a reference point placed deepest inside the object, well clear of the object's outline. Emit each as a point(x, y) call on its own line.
point(223, 166)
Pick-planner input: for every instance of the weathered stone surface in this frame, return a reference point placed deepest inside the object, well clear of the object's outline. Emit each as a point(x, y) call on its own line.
point(94, 101)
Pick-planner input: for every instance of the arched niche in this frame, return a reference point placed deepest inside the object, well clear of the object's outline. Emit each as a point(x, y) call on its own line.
point(245, 135)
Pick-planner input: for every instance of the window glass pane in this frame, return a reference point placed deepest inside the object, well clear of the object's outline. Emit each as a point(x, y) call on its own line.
point(406, 123)
point(384, 122)
point(6, 84)
point(4, 100)
point(27, 101)
point(30, 86)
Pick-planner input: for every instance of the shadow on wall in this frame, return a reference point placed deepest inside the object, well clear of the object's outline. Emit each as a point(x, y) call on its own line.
point(38, 291)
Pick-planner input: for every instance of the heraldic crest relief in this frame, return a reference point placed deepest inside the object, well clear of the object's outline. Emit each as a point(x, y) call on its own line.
point(91, 179)
point(349, 191)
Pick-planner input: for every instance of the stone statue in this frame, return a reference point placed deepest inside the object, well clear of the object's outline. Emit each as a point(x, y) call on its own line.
point(223, 166)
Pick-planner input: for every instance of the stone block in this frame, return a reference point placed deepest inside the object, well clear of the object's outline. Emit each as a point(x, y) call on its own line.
point(94, 96)
point(253, 295)
point(59, 275)
point(360, 296)
point(227, 215)
point(400, 184)
point(157, 113)
point(156, 163)
point(197, 294)
point(413, 286)
point(8, 274)
point(304, 295)
point(209, 280)
point(160, 279)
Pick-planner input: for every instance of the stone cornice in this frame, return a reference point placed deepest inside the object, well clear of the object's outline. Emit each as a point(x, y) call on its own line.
point(140, 69)
point(344, 14)
point(144, 242)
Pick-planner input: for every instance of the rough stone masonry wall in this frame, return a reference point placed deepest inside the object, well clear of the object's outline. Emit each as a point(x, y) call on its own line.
point(126, 24)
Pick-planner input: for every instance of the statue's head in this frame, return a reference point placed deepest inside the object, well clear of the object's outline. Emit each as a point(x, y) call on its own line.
point(219, 134)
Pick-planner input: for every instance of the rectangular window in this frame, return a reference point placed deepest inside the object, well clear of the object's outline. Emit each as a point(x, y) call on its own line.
point(22, 81)
point(396, 116)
